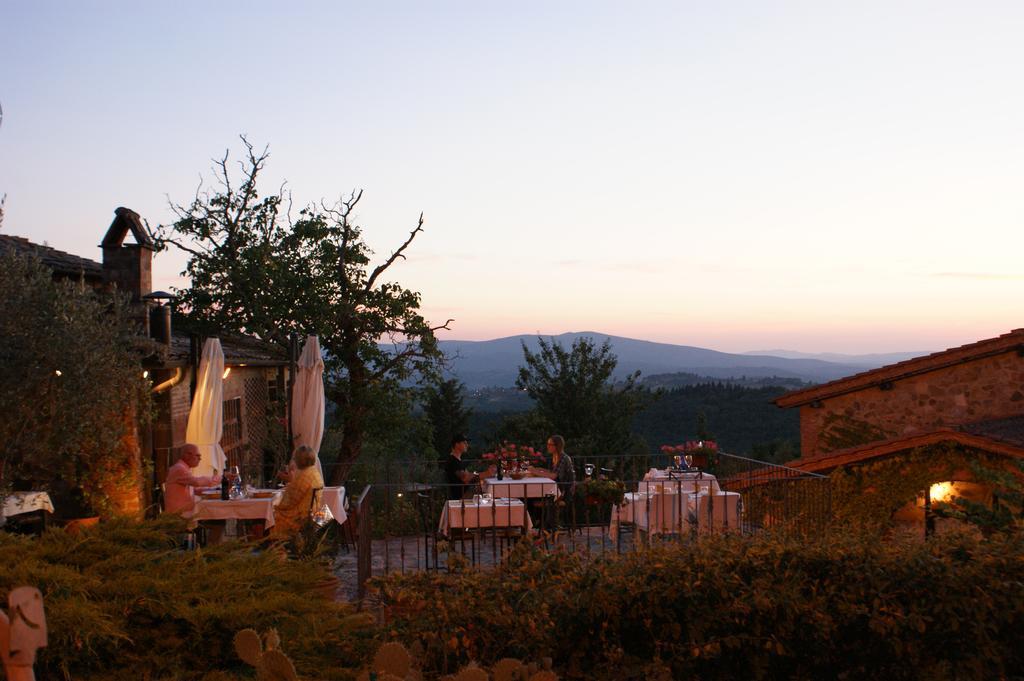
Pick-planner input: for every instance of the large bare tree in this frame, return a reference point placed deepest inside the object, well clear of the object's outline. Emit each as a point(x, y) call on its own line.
point(255, 269)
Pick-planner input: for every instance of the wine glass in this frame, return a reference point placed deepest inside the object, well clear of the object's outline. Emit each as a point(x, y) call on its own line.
point(678, 461)
point(588, 469)
point(688, 458)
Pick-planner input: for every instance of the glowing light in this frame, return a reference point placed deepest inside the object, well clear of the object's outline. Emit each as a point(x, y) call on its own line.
point(941, 491)
point(399, 494)
point(225, 374)
point(58, 372)
point(145, 374)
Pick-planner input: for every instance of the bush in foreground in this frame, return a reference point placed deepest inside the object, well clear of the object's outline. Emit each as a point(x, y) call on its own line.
point(732, 607)
point(123, 602)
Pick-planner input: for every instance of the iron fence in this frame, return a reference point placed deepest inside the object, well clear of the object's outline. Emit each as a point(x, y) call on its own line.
point(425, 524)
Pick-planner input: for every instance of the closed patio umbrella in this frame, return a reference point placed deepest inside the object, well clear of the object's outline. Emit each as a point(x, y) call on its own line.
point(308, 399)
point(206, 418)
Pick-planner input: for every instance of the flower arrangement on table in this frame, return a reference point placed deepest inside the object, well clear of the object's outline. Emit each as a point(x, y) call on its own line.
point(514, 459)
point(701, 453)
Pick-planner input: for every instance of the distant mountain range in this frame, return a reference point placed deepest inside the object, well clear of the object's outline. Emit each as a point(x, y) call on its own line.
point(495, 363)
point(871, 360)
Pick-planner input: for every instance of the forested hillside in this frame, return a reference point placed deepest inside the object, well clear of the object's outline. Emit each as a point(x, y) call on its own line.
point(741, 419)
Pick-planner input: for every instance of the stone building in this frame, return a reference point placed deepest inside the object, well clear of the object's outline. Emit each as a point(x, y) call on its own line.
point(970, 397)
point(256, 373)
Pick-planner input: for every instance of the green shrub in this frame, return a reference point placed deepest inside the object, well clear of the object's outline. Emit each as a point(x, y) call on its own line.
point(123, 601)
point(732, 607)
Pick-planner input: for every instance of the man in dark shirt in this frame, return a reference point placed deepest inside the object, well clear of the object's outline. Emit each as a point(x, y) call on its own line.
point(455, 474)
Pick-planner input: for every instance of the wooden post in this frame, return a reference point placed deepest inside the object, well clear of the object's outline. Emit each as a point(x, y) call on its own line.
point(22, 632)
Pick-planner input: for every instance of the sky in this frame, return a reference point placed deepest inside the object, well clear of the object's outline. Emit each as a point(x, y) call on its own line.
point(815, 176)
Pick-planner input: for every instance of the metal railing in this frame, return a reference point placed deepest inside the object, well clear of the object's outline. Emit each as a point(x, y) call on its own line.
point(364, 540)
point(429, 525)
point(777, 497)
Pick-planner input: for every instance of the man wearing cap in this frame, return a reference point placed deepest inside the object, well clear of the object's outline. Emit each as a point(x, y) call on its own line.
point(456, 476)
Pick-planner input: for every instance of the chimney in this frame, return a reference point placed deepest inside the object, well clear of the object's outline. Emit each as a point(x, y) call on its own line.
point(129, 267)
point(160, 323)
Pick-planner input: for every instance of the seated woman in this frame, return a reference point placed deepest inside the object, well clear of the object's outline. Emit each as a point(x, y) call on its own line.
point(293, 510)
point(561, 464)
point(565, 478)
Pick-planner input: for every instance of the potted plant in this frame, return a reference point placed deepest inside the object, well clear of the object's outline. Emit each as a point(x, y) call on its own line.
point(597, 491)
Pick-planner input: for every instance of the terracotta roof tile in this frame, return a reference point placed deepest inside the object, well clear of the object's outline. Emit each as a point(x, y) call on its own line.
point(58, 261)
point(237, 350)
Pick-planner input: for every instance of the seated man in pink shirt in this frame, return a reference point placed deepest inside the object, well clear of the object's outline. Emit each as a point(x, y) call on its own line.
point(178, 495)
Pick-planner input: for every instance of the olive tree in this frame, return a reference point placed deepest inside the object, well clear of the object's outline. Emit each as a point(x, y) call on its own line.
point(72, 388)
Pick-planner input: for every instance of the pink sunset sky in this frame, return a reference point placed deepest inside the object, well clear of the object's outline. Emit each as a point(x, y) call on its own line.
point(842, 177)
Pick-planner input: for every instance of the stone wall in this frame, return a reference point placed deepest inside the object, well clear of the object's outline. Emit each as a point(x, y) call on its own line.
point(247, 384)
point(978, 390)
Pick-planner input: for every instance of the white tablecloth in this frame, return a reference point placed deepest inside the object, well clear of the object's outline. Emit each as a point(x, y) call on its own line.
point(656, 480)
point(334, 499)
point(17, 503)
point(238, 509)
point(500, 513)
point(671, 513)
point(527, 488)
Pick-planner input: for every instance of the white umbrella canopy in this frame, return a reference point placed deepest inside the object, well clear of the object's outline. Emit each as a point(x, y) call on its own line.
point(206, 418)
point(308, 399)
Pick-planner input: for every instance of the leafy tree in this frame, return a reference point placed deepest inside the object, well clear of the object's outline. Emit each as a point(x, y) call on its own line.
point(72, 385)
point(574, 392)
point(702, 426)
point(446, 411)
point(254, 269)
point(745, 420)
point(1005, 513)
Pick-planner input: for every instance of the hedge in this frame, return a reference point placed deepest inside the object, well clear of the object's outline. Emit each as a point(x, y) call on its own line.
point(732, 607)
point(123, 602)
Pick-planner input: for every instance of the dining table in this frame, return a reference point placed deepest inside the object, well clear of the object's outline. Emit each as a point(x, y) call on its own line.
point(672, 512)
point(29, 509)
point(334, 499)
point(659, 479)
point(258, 505)
point(535, 487)
point(18, 503)
point(498, 513)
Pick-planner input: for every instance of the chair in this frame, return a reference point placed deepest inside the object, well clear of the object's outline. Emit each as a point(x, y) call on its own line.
point(462, 534)
point(346, 530)
point(192, 538)
point(316, 507)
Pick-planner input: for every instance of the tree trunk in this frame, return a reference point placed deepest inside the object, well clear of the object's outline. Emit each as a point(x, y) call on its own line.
point(354, 426)
point(351, 445)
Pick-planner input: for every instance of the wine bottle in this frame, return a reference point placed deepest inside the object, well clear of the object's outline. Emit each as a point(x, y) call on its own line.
point(225, 487)
point(501, 475)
